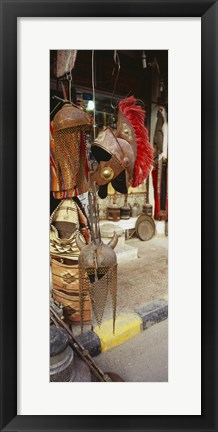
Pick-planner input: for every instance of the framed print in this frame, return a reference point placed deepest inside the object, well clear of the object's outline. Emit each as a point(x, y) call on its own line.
point(183, 38)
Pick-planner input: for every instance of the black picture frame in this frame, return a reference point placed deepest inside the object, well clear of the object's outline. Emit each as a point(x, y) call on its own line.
point(10, 11)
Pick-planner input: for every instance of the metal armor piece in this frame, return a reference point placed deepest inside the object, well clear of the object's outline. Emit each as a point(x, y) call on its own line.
point(115, 156)
point(68, 124)
point(125, 156)
point(63, 230)
point(64, 227)
point(70, 116)
point(95, 256)
point(98, 272)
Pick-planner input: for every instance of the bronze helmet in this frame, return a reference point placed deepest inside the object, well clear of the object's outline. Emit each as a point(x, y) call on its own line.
point(116, 154)
point(124, 156)
point(68, 124)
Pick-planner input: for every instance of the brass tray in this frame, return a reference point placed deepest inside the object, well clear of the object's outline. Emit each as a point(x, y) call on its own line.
point(145, 227)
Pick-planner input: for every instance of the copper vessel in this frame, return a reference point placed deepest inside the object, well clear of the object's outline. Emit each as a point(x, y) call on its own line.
point(113, 213)
point(147, 209)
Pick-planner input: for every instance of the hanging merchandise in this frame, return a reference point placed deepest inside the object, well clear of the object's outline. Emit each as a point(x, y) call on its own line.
point(66, 221)
point(65, 61)
point(160, 170)
point(125, 156)
point(97, 267)
point(57, 186)
point(69, 159)
point(98, 275)
point(158, 136)
point(68, 163)
point(97, 261)
point(160, 181)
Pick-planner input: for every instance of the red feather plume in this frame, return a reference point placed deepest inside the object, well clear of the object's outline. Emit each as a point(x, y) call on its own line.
point(144, 158)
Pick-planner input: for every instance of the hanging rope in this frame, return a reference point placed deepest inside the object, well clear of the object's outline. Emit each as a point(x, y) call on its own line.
point(93, 204)
point(93, 92)
point(117, 63)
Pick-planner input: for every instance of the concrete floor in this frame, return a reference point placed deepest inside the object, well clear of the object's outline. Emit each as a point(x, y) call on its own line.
point(144, 358)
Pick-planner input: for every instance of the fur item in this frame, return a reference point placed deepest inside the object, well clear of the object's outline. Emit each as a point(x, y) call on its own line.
point(144, 159)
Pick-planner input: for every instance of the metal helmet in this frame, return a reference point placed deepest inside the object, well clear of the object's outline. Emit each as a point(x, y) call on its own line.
point(124, 156)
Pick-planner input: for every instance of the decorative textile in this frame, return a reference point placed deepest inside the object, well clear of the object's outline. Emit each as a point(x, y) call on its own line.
point(160, 170)
point(158, 136)
point(160, 183)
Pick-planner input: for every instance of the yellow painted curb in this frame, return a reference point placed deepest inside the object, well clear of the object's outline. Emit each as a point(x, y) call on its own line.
point(126, 327)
